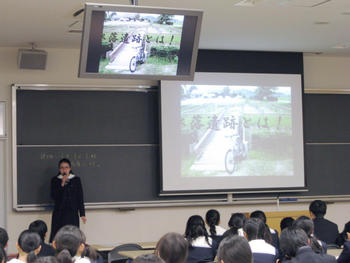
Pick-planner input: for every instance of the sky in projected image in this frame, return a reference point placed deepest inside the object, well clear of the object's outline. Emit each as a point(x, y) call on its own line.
point(236, 131)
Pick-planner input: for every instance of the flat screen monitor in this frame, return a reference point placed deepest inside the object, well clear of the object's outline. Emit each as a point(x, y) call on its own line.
point(139, 42)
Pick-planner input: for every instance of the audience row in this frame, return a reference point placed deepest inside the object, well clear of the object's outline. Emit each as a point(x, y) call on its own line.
point(248, 240)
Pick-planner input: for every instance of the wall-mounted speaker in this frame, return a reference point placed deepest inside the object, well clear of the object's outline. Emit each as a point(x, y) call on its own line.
point(32, 59)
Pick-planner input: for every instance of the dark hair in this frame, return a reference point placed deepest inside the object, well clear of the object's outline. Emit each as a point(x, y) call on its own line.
point(47, 259)
point(255, 229)
point(291, 239)
point(148, 258)
point(4, 237)
point(318, 208)
point(3, 256)
point(40, 227)
point(29, 241)
point(89, 251)
point(213, 218)
point(64, 160)
point(195, 227)
point(234, 249)
point(172, 248)
point(286, 222)
point(306, 224)
point(343, 236)
point(236, 222)
point(67, 240)
point(259, 214)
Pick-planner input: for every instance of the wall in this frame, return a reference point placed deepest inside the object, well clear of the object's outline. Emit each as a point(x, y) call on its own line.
point(114, 226)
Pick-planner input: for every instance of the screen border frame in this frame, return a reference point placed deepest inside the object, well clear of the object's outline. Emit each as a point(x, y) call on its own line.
point(90, 7)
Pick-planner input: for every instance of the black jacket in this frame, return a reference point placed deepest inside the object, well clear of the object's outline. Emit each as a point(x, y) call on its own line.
point(345, 254)
point(69, 197)
point(46, 250)
point(325, 230)
point(307, 255)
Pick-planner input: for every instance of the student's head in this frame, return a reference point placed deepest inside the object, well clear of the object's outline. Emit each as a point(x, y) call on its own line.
point(306, 224)
point(234, 249)
point(317, 208)
point(236, 221)
point(39, 227)
point(148, 258)
point(291, 239)
point(48, 259)
point(212, 218)
point(65, 166)
point(259, 214)
point(254, 228)
point(29, 244)
point(68, 242)
point(286, 222)
point(3, 256)
point(195, 227)
point(172, 248)
point(4, 238)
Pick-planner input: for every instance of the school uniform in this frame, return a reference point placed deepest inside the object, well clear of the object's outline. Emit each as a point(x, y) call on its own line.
point(15, 260)
point(307, 255)
point(275, 239)
point(344, 257)
point(46, 250)
point(78, 259)
point(325, 230)
point(220, 231)
point(262, 251)
point(69, 203)
point(200, 250)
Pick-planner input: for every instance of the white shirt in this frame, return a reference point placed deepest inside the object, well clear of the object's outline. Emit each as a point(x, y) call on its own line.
point(260, 246)
point(78, 259)
point(219, 230)
point(198, 242)
point(15, 260)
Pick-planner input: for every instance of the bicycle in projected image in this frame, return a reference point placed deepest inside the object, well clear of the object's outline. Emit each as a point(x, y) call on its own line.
point(238, 151)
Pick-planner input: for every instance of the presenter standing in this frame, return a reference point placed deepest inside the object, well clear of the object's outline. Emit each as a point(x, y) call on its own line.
point(67, 193)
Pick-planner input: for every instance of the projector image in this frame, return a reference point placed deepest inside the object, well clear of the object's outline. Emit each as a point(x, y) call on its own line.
point(32, 59)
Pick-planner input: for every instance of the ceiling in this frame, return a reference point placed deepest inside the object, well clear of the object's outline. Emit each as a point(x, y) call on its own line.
point(273, 25)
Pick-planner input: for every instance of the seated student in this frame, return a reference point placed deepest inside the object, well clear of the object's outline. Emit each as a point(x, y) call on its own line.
point(272, 233)
point(89, 252)
point(4, 238)
point(286, 222)
point(40, 227)
point(212, 219)
point(148, 258)
point(254, 230)
point(344, 257)
point(294, 244)
point(236, 224)
point(234, 249)
point(28, 247)
point(325, 230)
point(344, 235)
point(172, 248)
point(306, 224)
point(201, 246)
point(3, 256)
point(69, 245)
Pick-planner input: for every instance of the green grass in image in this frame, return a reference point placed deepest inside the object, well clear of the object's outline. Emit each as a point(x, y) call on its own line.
point(159, 61)
point(102, 66)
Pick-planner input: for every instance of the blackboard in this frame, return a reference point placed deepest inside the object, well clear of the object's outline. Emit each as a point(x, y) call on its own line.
point(112, 137)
